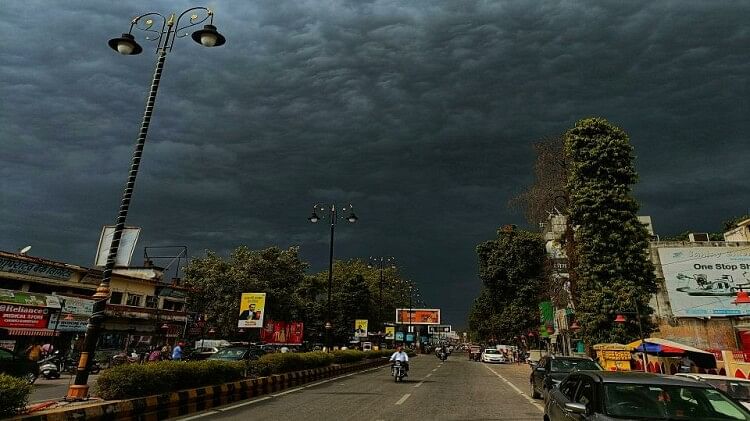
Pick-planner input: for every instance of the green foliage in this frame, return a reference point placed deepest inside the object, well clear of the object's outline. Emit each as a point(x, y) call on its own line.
point(348, 356)
point(511, 268)
point(290, 361)
point(614, 271)
point(216, 285)
point(14, 395)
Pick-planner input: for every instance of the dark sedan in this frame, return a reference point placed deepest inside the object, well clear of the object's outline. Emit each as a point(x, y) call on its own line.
point(237, 353)
point(607, 395)
point(551, 369)
point(18, 365)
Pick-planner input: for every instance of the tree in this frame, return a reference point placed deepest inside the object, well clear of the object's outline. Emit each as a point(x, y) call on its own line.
point(216, 285)
point(511, 268)
point(614, 271)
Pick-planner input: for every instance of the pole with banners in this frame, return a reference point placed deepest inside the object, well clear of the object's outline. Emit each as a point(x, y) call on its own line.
point(252, 310)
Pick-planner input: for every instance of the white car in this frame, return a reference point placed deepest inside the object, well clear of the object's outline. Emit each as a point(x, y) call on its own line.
point(739, 389)
point(492, 355)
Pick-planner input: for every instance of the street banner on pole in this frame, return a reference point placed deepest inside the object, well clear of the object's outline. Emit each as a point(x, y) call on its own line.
point(252, 306)
point(360, 328)
point(390, 332)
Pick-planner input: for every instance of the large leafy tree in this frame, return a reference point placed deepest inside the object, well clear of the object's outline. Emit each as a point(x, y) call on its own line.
point(614, 271)
point(216, 285)
point(511, 268)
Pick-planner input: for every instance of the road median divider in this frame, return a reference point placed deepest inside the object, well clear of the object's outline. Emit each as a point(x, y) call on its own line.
point(193, 385)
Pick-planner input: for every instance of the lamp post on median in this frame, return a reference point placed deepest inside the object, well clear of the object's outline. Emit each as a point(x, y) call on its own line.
point(381, 262)
point(164, 30)
point(333, 219)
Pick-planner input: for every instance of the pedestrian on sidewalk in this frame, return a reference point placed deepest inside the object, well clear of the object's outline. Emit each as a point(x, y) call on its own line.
point(177, 352)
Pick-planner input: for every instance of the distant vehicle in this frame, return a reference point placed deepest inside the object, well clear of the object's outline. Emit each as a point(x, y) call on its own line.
point(199, 354)
point(551, 369)
point(739, 389)
point(237, 353)
point(492, 355)
point(212, 343)
point(17, 365)
point(474, 353)
point(621, 395)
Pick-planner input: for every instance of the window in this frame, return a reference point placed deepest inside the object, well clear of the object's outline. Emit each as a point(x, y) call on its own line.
point(134, 300)
point(562, 365)
point(585, 394)
point(116, 298)
point(568, 387)
point(173, 305)
point(151, 301)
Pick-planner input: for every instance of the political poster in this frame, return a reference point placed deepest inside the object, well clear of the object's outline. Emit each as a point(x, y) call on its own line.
point(390, 332)
point(252, 306)
point(418, 316)
point(282, 333)
point(360, 328)
point(704, 281)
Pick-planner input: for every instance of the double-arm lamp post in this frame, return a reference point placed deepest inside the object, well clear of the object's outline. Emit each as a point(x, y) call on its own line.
point(621, 319)
point(164, 30)
point(333, 219)
point(381, 262)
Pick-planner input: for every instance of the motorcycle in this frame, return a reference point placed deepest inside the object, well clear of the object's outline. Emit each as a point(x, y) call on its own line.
point(398, 371)
point(49, 368)
point(443, 356)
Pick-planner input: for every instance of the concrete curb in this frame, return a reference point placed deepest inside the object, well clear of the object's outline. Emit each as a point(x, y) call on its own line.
point(185, 402)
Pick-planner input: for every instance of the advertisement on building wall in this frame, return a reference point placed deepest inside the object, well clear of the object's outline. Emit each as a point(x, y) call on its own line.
point(704, 281)
point(282, 333)
point(13, 316)
point(252, 306)
point(418, 316)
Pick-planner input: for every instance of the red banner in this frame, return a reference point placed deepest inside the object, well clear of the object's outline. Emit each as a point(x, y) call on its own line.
point(282, 333)
point(23, 317)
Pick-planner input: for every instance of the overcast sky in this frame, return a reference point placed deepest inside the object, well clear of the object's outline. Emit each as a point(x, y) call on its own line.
point(420, 113)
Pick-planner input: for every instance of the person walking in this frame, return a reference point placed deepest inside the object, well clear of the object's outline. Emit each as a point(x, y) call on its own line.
point(34, 352)
point(177, 352)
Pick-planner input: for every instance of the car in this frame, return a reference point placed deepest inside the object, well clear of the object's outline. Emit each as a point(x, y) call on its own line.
point(237, 353)
point(18, 366)
point(629, 395)
point(739, 389)
point(202, 353)
point(551, 369)
point(492, 355)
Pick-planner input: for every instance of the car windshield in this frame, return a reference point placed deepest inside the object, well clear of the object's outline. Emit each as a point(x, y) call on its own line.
point(562, 365)
point(670, 402)
point(230, 353)
point(491, 351)
point(735, 388)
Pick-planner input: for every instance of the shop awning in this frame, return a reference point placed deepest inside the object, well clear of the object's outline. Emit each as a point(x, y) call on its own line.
point(32, 332)
point(667, 348)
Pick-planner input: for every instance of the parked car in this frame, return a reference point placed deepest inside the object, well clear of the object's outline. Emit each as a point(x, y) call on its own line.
point(492, 355)
point(202, 353)
point(739, 389)
point(17, 365)
point(622, 395)
point(551, 369)
point(237, 353)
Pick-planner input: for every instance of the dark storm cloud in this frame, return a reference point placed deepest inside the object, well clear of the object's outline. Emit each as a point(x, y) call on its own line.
point(421, 114)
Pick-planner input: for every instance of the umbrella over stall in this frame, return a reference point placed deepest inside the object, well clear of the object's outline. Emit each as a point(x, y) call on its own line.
point(666, 348)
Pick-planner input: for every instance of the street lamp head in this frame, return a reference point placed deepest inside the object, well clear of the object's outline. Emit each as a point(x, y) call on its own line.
point(314, 218)
point(208, 36)
point(620, 319)
point(352, 218)
point(125, 45)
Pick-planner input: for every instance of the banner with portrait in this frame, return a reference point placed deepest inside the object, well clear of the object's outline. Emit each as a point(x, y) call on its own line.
point(282, 333)
point(252, 309)
point(360, 328)
point(390, 332)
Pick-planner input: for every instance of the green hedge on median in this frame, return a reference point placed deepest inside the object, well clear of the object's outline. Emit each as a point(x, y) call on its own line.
point(14, 395)
point(137, 380)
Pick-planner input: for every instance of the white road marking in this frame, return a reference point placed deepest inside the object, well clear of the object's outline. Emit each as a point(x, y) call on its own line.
point(529, 398)
point(428, 375)
point(403, 399)
point(199, 416)
point(288, 391)
point(418, 384)
point(240, 405)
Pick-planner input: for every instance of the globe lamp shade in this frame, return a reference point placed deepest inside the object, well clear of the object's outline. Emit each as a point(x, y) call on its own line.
point(125, 45)
point(208, 36)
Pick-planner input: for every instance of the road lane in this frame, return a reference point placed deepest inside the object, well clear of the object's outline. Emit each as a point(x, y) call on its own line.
point(452, 390)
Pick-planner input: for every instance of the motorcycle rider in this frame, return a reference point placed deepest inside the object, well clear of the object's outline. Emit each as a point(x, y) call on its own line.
point(400, 355)
point(444, 352)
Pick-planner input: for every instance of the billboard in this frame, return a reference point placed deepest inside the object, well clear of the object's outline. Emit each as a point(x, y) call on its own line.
point(74, 316)
point(419, 316)
point(124, 251)
point(704, 281)
point(390, 333)
point(252, 306)
point(282, 333)
point(360, 328)
point(439, 329)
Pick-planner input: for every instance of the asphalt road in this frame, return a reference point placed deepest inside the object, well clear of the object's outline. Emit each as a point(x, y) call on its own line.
point(454, 390)
point(46, 390)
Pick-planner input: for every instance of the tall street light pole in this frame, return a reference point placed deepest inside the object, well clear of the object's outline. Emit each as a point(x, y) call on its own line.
point(621, 319)
point(332, 218)
point(164, 36)
point(381, 262)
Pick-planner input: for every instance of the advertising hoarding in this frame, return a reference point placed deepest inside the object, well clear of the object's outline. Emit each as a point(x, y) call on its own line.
point(360, 328)
point(704, 281)
point(419, 316)
point(252, 306)
point(390, 333)
point(282, 333)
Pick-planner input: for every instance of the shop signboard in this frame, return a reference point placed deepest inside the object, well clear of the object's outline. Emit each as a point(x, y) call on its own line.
point(360, 328)
point(282, 333)
point(24, 267)
point(14, 316)
point(418, 316)
point(74, 316)
point(252, 306)
point(8, 296)
point(704, 281)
